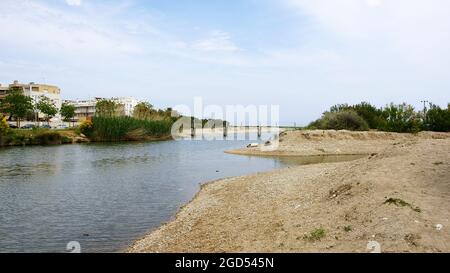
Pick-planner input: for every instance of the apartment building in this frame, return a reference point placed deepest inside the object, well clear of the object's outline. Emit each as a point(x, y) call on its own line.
point(3, 90)
point(128, 104)
point(35, 91)
point(85, 109)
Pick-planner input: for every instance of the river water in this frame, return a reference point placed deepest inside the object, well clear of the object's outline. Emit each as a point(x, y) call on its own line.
point(105, 196)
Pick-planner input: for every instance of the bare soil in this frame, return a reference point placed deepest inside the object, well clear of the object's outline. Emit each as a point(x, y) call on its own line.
point(397, 196)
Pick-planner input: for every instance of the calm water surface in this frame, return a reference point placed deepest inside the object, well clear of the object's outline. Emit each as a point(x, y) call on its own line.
point(105, 195)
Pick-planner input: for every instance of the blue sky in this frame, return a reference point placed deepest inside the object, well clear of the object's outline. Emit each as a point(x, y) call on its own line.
point(304, 55)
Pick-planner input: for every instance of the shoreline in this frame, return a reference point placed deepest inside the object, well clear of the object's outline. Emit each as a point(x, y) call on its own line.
point(255, 152)
point(69, 137)
point(280, 210)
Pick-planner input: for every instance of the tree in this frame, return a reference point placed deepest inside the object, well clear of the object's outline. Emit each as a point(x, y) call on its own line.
point(401, 118)
point(368, 112)
point(67, 112)
point(143, 110)
point(339, 108)
point(17, 105)
point(437, 119)
point(106, 108)
point(47, 107)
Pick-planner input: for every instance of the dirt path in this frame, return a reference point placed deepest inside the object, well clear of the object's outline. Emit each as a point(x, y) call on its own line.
point(398, 196)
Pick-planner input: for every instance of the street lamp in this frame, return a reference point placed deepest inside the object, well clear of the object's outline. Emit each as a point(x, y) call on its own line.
point(424, 109)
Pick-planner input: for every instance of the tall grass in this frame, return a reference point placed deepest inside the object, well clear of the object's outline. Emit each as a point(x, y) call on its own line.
point(127, 128)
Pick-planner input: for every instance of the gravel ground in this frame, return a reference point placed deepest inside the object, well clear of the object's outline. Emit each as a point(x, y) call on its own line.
point(396, 197)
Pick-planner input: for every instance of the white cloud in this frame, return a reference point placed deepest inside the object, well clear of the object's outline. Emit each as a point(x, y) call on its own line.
point(41, 27)
point(79, 32)
point(374, 3)
point(218, 41)
point(73, 2)
point(417, 29)
point(389, 41)
point(388, 50)
point(349, 50)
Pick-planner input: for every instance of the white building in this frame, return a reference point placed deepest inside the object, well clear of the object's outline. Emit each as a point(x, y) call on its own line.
point(83, 108)
point(128, 103)
point(35, 91)
point(3, 90)
point(86, 108)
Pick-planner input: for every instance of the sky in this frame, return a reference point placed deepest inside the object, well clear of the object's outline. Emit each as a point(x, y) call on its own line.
point(303, 55)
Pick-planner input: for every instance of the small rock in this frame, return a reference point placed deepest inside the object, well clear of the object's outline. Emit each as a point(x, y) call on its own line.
point(439, 227)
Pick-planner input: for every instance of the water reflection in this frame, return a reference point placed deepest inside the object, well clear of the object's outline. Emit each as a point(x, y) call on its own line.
point(27, 170)
point(107, 195)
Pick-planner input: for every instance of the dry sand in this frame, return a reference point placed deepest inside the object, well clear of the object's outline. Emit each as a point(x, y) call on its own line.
point(329, 207)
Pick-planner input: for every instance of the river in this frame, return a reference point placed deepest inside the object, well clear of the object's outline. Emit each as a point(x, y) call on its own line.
point(105, 196)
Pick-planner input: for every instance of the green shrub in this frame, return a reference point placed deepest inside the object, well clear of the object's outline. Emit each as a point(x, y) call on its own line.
point(12, 137)
point(314, 125)
point(437, 119)
point(393, 118)
point(348, 228)
point(400, 118)
point(370, 114)
point(315, 235)
point(4, 128)
point(367, 111)
point(343, 120)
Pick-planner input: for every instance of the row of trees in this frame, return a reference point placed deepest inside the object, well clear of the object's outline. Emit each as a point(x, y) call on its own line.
point(19, 107)
point(142, 111)
point(392, 118)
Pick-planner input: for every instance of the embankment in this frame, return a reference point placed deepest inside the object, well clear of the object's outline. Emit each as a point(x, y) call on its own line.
point(17, 137)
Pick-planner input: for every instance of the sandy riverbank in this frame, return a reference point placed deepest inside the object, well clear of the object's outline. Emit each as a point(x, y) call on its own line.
point(398, 195)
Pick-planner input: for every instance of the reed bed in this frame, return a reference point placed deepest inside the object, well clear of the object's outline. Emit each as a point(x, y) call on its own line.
point(127, 128)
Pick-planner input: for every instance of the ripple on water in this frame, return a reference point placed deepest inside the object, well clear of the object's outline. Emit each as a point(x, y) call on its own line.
point(27, 170)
